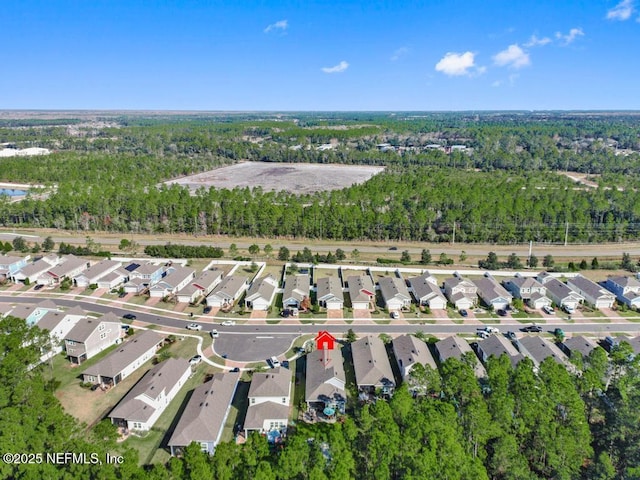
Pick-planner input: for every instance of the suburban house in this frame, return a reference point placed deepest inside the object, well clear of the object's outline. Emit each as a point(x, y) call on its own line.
point(593, 293)
point(90, 336)
point(33, 313)
point(228, 291)
point(10, 265)
point(626, 290)
point(69, 267)
point(427, 292)
point(296, 289)
point(372, 367)
point(325, 380)
point(329, 293)
point(492, 293)
point(539, 348)
point(175, 279)
point(456, 347)
point(30, 273)
point(125, 359)
point(559, 292)
point(95, 272)
point(496, 346)
point(145, 402)
point(58, 324)
point(142, 277)
point(531, 291)
point(201, 286)
point(114, 279)
point(362, 292)
point(410, 351)
point(261, 293)
point(462, 293)
point(203, 419)
point(269, 401)
point(579, 344)
point(395, 293)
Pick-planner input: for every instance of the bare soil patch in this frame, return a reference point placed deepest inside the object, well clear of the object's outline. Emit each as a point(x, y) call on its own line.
point(290, 177)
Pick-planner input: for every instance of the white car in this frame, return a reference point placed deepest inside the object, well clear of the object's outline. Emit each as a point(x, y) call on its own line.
point(548, 310)
point(491, 329)
point(195, 360)
point(194, 326)
point(569, 309)
point(228, 323)
point(395, 315)
point(275, 363)
point(214, 334)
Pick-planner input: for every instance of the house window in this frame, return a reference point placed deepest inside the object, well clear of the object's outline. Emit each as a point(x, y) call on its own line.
point(253, 400)
point(137, 425)
point(71, 343)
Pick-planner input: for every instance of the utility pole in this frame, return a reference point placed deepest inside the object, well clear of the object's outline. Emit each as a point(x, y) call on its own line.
point(453, 240)
point(530, 249)
point(566, 234)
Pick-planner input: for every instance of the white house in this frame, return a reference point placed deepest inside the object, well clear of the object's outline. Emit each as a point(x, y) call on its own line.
point(145, 402)
point(261, 293)
point(228, 291)
point(559, 292)
point(95, 272)
point(329, 293)
point(492, 293)
point(626, 290)
point(142, 276)
point(593, 293)
point(176, 279)
point(58, 324)
point(362, 292)
point(296, 289)
point(10, 265)
point(395, 293)
point(91, 336)
point(427, 292)
point(201, 286)
point(462, 293)
point(269, 401)
point(528, 289)
point(114, 279)
point(30, 273)
point(69, 267)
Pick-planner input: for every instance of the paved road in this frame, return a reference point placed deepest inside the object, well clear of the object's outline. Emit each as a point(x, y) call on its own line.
point(257, 342)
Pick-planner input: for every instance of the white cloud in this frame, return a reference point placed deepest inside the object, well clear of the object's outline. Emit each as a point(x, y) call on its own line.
point(497, 83)
point(513, 57)
point(621, 11)
point(537, 42)
point(571, 36)
point(456, 64)
point(341, 67)
point(279, 25)
point(399, 53)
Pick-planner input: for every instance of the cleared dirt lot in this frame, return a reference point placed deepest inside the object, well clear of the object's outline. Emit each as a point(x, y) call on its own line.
point(291, 177)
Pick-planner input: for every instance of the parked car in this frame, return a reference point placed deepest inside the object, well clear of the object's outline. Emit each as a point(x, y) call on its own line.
point(195, 360)
point(569, 309)
point(274, 362)
point(464, 313)
point(194, 326)
point(502, 313)
point(38, 287)
point(548, 310)
point(228, 323)
point(206, 310)
point(235, 369)
point(532, 329)
point(483, 334)
point(214, 334)
point(395, 315)
point(610, 343)
point(122, 294)
point(125, 328)
point(511, 335)
point(490, 329)
point(129, 316)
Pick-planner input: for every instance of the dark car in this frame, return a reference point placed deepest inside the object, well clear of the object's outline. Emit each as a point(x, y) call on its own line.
point(502, 313)
point(122, 294)
point(235, 369)
point(511, 335)
point(393, 248)
point(464, 313)
point(532, 329)
point(206, 310)
point(129, 316)
point(38, 287)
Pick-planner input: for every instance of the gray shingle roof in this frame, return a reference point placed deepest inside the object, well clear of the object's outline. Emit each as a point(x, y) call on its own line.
point(296, 286)
point(229, 286)
point(162, 377)
point(588, 287)
point(490, 290)
point(117, 360)
point(358, 283)
point(262, 287)
point(392, 287)
point(539, 348)
point(97, 271)
point(70, 263)
point(203, 418)
point(320, 371)
point(257, 414)
point(330, 287)
point(410, 350)
point(86, 326)
point(371, 363)
point(580, 344)
point(274, 383)
point(497, 345)
point(423, 288)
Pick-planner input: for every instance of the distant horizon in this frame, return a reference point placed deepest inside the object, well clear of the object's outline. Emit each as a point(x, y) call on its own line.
point(348, 56)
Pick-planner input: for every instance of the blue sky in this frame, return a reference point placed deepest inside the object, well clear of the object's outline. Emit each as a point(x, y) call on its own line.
point(320, 55)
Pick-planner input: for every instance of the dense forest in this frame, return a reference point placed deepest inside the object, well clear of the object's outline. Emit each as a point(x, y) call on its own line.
point(502, 188)
point(519, 423)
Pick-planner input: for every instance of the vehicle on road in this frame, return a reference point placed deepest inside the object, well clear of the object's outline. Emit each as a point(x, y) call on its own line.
point(393, 249)
point(548, 310)
point(214, 334)
point(483, 334)
point(532, 329)
point(490, 329)
point(195, 360)
point(395, 315)
point(464, 313)
point(228, 323)
point(129, 316)
point(194, 326)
